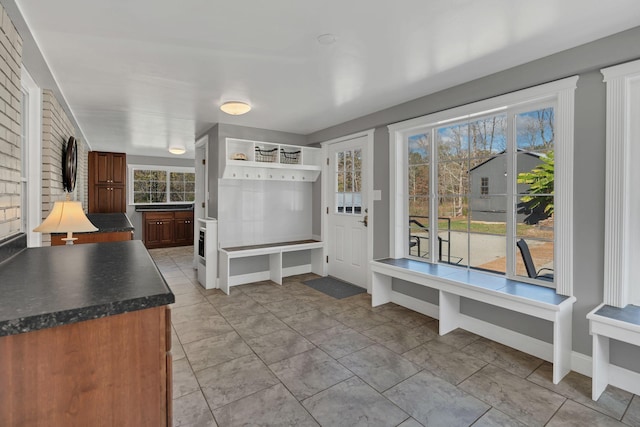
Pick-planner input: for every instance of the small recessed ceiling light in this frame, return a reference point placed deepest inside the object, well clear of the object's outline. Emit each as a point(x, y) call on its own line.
point(326, 38)
point(235, 108)
point(177, 149)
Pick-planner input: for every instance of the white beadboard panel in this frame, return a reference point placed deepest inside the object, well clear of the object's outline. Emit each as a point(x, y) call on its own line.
point(256, 212)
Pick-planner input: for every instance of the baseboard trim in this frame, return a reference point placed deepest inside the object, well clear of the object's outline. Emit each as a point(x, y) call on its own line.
point(524, 343)
point(296, 269)
point(415, 304)
point(499, 334)
point(618, 376)
point(581, 363)
point(624, 379)
point(241, 279)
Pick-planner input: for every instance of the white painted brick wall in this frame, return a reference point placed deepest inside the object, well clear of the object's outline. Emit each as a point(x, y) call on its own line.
point(56, 130)
point(10, 126)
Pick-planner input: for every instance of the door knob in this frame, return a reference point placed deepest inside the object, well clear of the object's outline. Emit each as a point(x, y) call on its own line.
point(365, 221)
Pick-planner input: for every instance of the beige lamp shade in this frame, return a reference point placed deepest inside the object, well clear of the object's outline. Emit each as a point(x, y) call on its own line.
point(66, 217)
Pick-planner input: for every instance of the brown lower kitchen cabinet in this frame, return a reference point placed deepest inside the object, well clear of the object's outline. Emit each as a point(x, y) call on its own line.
point(113, 371)
point(169, 228)
point(183, 228)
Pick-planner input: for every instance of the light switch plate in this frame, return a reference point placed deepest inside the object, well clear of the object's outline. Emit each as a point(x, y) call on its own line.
point(377, 195)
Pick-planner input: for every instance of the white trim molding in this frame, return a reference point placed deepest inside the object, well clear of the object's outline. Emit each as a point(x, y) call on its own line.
point(561, 94)
point(34, 158)
point(622, 202)
point(132, 168)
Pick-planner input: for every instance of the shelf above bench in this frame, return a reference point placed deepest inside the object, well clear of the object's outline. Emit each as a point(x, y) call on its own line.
point(257, 160)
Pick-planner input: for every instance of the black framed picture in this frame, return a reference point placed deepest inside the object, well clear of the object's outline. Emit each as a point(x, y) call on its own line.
point(69, 164)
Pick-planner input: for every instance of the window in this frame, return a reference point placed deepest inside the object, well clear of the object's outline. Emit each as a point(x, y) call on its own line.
point(442, 165)
point(156, 184)
point(484, 186)
point(349, 182)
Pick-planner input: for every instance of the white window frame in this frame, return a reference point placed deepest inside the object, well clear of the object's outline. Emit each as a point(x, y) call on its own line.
point(560, 92)
point(168, 170)
point(34, 214)
point(621, 245)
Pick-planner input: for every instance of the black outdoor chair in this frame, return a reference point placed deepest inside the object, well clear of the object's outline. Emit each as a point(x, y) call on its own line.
point(530, 266)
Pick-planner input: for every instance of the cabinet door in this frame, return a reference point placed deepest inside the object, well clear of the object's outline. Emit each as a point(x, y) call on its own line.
point(166, 227)
point(118, 168)
point(190, 232)
point(183, 228)
point(103, 199)
point(158, 229)
point(152, 232)
point(102, 166)
point(118, 199)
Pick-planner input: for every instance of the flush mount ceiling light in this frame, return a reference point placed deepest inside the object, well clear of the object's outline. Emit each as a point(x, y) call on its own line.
point(235, 108)
point(177, 149)
point(326, 39)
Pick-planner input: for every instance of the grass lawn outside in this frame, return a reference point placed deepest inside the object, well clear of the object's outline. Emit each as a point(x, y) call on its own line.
point(499, 228)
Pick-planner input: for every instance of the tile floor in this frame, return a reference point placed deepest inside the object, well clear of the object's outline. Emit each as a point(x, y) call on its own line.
point(289, 355)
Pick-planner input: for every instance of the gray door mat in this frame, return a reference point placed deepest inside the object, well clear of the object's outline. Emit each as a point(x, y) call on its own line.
point(334, 287)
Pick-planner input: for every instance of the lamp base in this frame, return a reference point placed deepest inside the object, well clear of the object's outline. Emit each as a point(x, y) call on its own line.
point(69, 240)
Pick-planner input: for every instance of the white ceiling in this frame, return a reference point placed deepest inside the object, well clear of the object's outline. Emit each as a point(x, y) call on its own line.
point(140, 75)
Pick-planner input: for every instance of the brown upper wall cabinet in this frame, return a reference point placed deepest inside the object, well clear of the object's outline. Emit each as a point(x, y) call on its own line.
point(108, 168)
point(107, 182)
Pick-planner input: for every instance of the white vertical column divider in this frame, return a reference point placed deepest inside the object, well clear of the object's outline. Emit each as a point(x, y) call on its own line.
point(617, 241)
point(563, 187)
point(398, 215)
point(616, 171)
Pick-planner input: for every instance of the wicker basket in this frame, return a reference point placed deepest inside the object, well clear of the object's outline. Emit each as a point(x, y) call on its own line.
point(289, 157)
point(264, 155)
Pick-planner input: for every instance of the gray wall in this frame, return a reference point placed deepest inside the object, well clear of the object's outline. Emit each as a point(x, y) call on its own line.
point(589, 161)
point(136, 217)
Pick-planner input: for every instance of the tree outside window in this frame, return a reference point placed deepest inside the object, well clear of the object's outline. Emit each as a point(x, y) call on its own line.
point(149, 185)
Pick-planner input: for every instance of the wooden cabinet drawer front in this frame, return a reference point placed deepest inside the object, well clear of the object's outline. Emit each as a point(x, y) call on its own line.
point(158, 215)
point(184, 215)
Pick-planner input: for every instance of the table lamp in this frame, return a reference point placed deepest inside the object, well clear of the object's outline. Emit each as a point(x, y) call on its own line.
point(66, 217)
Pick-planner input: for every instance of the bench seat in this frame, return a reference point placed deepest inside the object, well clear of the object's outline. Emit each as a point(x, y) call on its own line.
point(607, 322)
point(274, 251)
point(454, 283)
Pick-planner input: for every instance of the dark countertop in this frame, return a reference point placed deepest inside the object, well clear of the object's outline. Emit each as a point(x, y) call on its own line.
point(53, 286)
point(108, 222)
point(164, 208)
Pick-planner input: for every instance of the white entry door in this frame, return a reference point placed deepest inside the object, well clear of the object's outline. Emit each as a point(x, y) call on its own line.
point(347, 211)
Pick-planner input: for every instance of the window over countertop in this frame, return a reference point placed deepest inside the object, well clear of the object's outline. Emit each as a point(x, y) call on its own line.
point(149, 184)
